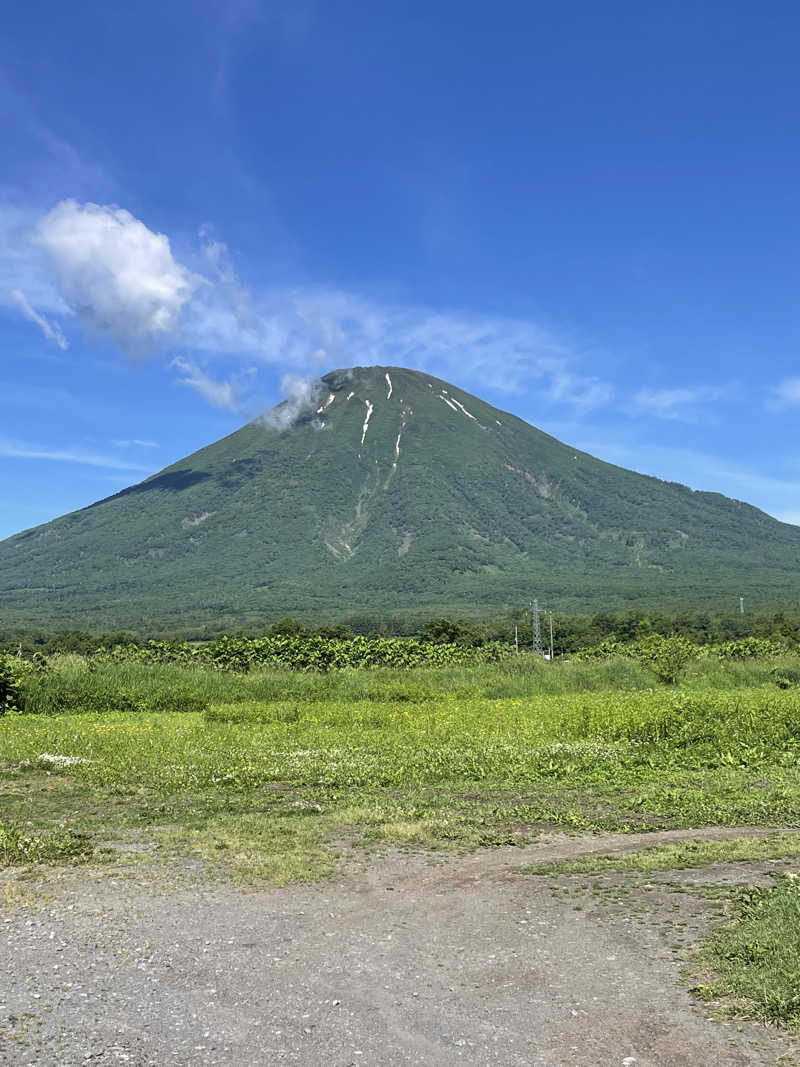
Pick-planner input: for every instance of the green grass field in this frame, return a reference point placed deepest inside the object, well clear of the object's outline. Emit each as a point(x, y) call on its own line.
point(273, 775)
point(268, 773)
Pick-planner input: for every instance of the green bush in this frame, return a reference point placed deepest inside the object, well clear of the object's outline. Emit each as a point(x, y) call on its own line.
point(749, 648)
point(605, 650)
point(666, 656)
point(13, 672)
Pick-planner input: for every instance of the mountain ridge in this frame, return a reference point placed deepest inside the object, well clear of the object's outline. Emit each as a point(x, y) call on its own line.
point(393, 491)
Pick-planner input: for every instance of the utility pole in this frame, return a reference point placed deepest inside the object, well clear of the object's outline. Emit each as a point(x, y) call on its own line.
point(536, 630)
point(516, 638)
point(550, 614)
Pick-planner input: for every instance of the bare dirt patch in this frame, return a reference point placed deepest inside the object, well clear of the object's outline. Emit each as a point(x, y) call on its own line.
point(407, 959)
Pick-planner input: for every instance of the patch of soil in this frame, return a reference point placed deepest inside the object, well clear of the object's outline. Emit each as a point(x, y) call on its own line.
point(409, 959)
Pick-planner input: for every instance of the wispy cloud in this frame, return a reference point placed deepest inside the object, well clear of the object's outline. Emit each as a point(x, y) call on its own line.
point(52, 331)
point(50, 155)
point(683, 404)
point(135, 443)
point(18, 450)
point(238, 295)
point(285, 21)
point(499, 353)
point(225, 395)
point(309, 331)
point(122, 279)
point(23, 266)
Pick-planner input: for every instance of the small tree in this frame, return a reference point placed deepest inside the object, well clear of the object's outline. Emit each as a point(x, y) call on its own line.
point(666, 657)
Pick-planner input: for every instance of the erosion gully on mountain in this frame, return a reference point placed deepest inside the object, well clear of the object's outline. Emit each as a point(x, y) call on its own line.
point(400, 959)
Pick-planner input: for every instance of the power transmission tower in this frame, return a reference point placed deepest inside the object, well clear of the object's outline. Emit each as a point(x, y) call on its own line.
point(536, 629)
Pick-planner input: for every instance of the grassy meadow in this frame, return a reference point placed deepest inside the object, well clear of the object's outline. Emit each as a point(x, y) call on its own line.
point(271, 774)
point(274, 775)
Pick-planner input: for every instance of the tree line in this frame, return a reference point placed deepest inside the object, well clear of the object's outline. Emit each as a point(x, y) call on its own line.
point(571, 632)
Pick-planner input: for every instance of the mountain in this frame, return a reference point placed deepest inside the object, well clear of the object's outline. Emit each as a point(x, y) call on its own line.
point(393, 494)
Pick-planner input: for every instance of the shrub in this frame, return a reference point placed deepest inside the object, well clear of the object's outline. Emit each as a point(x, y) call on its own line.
point(13, 671)
point(666, 657)
point(605, 650)
point(749, 648)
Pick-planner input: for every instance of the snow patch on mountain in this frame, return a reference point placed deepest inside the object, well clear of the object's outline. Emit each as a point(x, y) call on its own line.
point(370, 409)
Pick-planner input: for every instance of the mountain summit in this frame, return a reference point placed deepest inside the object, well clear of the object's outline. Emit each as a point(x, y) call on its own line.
point(392, 492)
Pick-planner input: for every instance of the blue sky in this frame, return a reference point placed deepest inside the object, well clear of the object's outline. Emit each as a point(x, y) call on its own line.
point(585, 213)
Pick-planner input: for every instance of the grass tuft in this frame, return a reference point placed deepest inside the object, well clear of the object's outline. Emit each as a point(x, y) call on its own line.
point(756, 958)
point(20, 846)
point(699, 852)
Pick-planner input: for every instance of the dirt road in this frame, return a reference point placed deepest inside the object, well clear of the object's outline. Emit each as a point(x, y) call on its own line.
point(409, 960)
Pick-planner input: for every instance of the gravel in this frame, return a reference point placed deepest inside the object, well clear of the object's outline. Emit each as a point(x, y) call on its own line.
point(415, 959)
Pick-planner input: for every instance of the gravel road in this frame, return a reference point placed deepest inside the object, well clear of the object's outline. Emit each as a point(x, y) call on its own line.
point(411, 959)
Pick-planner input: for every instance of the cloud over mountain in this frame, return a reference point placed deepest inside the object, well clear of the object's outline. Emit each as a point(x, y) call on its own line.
point(119, 277)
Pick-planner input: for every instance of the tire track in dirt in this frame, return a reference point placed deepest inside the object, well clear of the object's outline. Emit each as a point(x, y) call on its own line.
point(408, 960)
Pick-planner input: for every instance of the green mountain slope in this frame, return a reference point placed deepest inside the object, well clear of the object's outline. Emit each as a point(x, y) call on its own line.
point(395, 493)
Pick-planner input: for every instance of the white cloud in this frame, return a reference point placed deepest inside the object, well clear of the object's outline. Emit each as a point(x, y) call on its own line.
point(682, 404)
point(118, 277)
point(238, 296)
point(220, 394)
point(310, 331)
point(301, 393)
point(580, 391)
point(23, 266)
point(135, 443)
point(52, 331)
point(500, 353)
point(17, 450)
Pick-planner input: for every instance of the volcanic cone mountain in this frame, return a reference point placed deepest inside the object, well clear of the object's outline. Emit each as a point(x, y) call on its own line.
point(394, 493)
